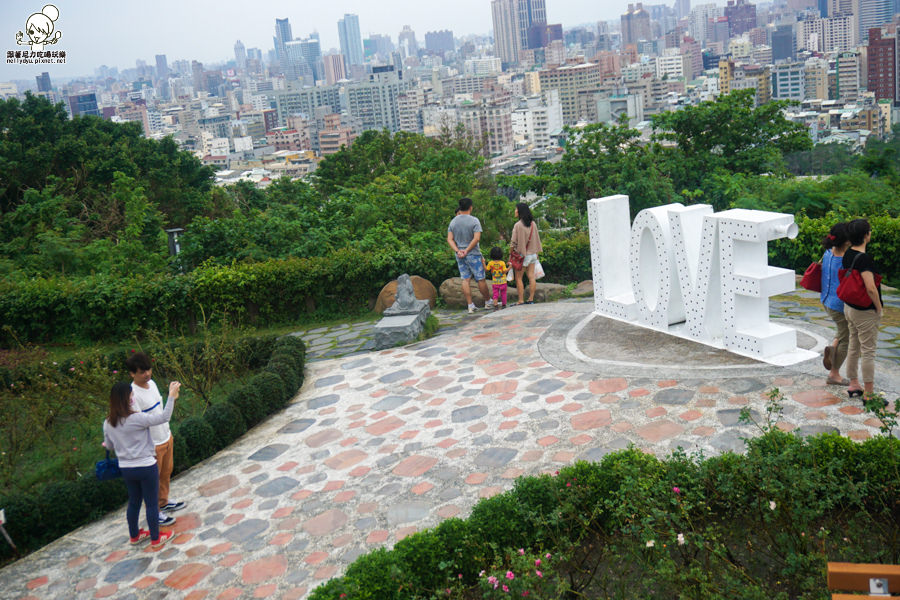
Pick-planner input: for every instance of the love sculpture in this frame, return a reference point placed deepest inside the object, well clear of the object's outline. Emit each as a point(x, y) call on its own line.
point(694, 273)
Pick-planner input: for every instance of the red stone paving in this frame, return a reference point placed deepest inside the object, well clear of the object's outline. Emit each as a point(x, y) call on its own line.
point(288, 466)
point(142, 583)
point(344, 496)
point(77, 562)
point(421, 488)
point(301, 495)
point(501, 368)
point(850, 410)
point(582, 439)
point(414, 466)
point(385, 425)
point(512, 412)
point(637, 393)
point(294, 593)
point(37, 582)
point(315, 558)
point(377, 536)
point(507, 386)
point(666, 383)
point(86, 584)
point(548, 440)
point(607, 386)
point(288, 524)
point(229, 560)
point(366, 507)
point(738, 401)
point(591, 420)
point(489, 492)
point(230, 594)
point(405, 532)
point(187, 576)
point(284, 511)
point(435, 383)
point(563, 457)
point(263, 569)
point(342, 540)
point(477, 427)
point(106, 591)
point(359, 471)
point(325, 523)
point(241, 504)
point(251, 469)
point(508, 425)
point(690, 415)
point(333, 485)
point(186, 522)
point(233, 519)
point(703, 431)
point(317, 440)
point(512, 473)
point(572, 407)
point(325, 572)
point(476, 478)
point(281, 539)
point(217, 486)
point(659, 430)
point(195, 551)
point(554, 399)
point(815, 398)
point(197, 595)
point(448, 511)
point(621, 427)
point(532, 455)
point(346, 459)
point(859, 435)
point(264, 591)
point(116, 556)
point(656, 411)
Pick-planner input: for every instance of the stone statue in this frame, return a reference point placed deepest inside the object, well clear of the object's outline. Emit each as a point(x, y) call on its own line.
point(406, 302)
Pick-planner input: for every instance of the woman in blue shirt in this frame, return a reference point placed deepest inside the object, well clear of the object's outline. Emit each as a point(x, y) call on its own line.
point(835, 244)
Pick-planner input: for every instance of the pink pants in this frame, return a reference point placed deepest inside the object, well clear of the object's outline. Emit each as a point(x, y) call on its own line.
point(500, 290)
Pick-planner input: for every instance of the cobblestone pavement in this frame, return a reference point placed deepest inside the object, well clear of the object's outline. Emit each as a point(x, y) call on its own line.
point(382, 444)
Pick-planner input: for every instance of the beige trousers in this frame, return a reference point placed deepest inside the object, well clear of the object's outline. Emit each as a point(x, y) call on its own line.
point(165, 462)
point(863, 326)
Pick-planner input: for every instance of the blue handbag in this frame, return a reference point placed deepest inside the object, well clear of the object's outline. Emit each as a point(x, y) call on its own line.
point(108, 468)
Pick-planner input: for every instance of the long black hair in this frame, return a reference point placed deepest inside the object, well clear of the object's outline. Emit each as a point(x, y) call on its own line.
point(119, 403)
point(524, 214)
point(857, 230)
point(836, 237)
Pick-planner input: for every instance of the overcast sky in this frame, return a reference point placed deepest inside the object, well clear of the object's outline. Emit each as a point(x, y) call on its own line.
point(116, 33)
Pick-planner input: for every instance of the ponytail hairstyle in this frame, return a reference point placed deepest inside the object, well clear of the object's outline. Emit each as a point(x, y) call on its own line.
point(524, 214)
point(836, 237)
point(119, 403)
point(857, 230)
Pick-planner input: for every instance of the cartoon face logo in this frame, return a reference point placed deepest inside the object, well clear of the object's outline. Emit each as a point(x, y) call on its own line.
point(39, 28)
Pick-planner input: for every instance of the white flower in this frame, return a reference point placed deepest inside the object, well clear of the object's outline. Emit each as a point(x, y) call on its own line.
point(772, 505)
point(650, 543)
point(681, 539)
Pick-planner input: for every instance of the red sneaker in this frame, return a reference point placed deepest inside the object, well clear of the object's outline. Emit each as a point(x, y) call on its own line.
point(142, 535)
point(164, 536)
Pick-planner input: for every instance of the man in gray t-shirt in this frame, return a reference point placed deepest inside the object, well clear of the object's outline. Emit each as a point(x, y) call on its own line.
point(463, 235)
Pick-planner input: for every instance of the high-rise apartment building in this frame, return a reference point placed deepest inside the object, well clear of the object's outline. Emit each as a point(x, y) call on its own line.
point(283, 35)
point(240, 56)
point(43, 82)
point(570, 80)
point(816, 78)
point(512, 21)
point(701, 20)
point(882, 65)
point(834, 34)
point(351, 40)
point(162, 68)
point(789, 81)
point(873, 13)
point(439, 42)
point(741, 16)
point(406, 39)
point(682, 8)
point(783, 43)
point(334, 68)
point(847, 76)
point(635, 24)
point(375, 103)
point(83, 104)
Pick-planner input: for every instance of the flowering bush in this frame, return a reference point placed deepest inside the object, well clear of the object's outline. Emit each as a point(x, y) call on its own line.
point(520, 575)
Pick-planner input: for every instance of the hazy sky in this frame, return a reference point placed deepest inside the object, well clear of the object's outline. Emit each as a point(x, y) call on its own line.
point(116, 33)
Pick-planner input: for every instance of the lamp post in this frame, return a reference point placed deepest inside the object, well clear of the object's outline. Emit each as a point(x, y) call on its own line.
point(174, 246)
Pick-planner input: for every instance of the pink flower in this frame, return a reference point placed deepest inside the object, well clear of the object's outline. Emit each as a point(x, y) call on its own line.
point(459, 576)
point(547, 556)
point(538, 573)
point(569, 484)
point(493, 580)
point(505, 589)
point(521, 551)
point(481, 574)
point(537, 563)
point(676, 489)
point(510, 575)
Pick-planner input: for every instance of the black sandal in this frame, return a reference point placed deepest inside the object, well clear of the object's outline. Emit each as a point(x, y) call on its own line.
point(854, 393)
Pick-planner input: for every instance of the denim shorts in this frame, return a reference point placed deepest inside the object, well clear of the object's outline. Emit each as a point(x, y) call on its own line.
point(530, 259)
point(470, 266)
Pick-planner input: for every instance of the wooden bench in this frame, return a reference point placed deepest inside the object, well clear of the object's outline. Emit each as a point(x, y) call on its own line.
point(879, 581)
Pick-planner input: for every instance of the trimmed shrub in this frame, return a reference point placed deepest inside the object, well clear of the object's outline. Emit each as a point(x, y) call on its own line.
point(226, 421)
point(23, 523)
point(249, 403)
point(199, 439)
point(61, 509)
point(100, 497)
point(287, 373)
point(271, 390)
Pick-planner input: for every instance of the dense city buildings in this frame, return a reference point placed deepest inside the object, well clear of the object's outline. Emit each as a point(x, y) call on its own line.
point(261, 113)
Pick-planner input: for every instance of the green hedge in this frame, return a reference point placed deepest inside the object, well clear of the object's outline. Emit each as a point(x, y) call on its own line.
point(264, 293)
point(797, 254)
point(759, 525)
point(62, 506)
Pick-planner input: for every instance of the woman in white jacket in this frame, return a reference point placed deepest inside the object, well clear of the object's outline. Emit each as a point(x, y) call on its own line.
point(127, 432)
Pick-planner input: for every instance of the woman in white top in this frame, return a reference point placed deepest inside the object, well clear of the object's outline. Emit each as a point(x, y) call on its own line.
point(127, 432)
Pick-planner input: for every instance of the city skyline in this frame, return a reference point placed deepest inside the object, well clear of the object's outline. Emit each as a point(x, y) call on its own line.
point(90, 41)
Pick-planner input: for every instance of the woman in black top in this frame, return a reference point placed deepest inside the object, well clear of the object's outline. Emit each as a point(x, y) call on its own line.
point(863, 320)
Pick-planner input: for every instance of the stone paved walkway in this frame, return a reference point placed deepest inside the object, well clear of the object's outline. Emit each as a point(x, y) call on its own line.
point(381, 444)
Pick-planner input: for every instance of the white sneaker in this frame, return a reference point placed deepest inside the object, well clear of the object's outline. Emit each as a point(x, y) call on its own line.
point(472, 308)
point(489, 303)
